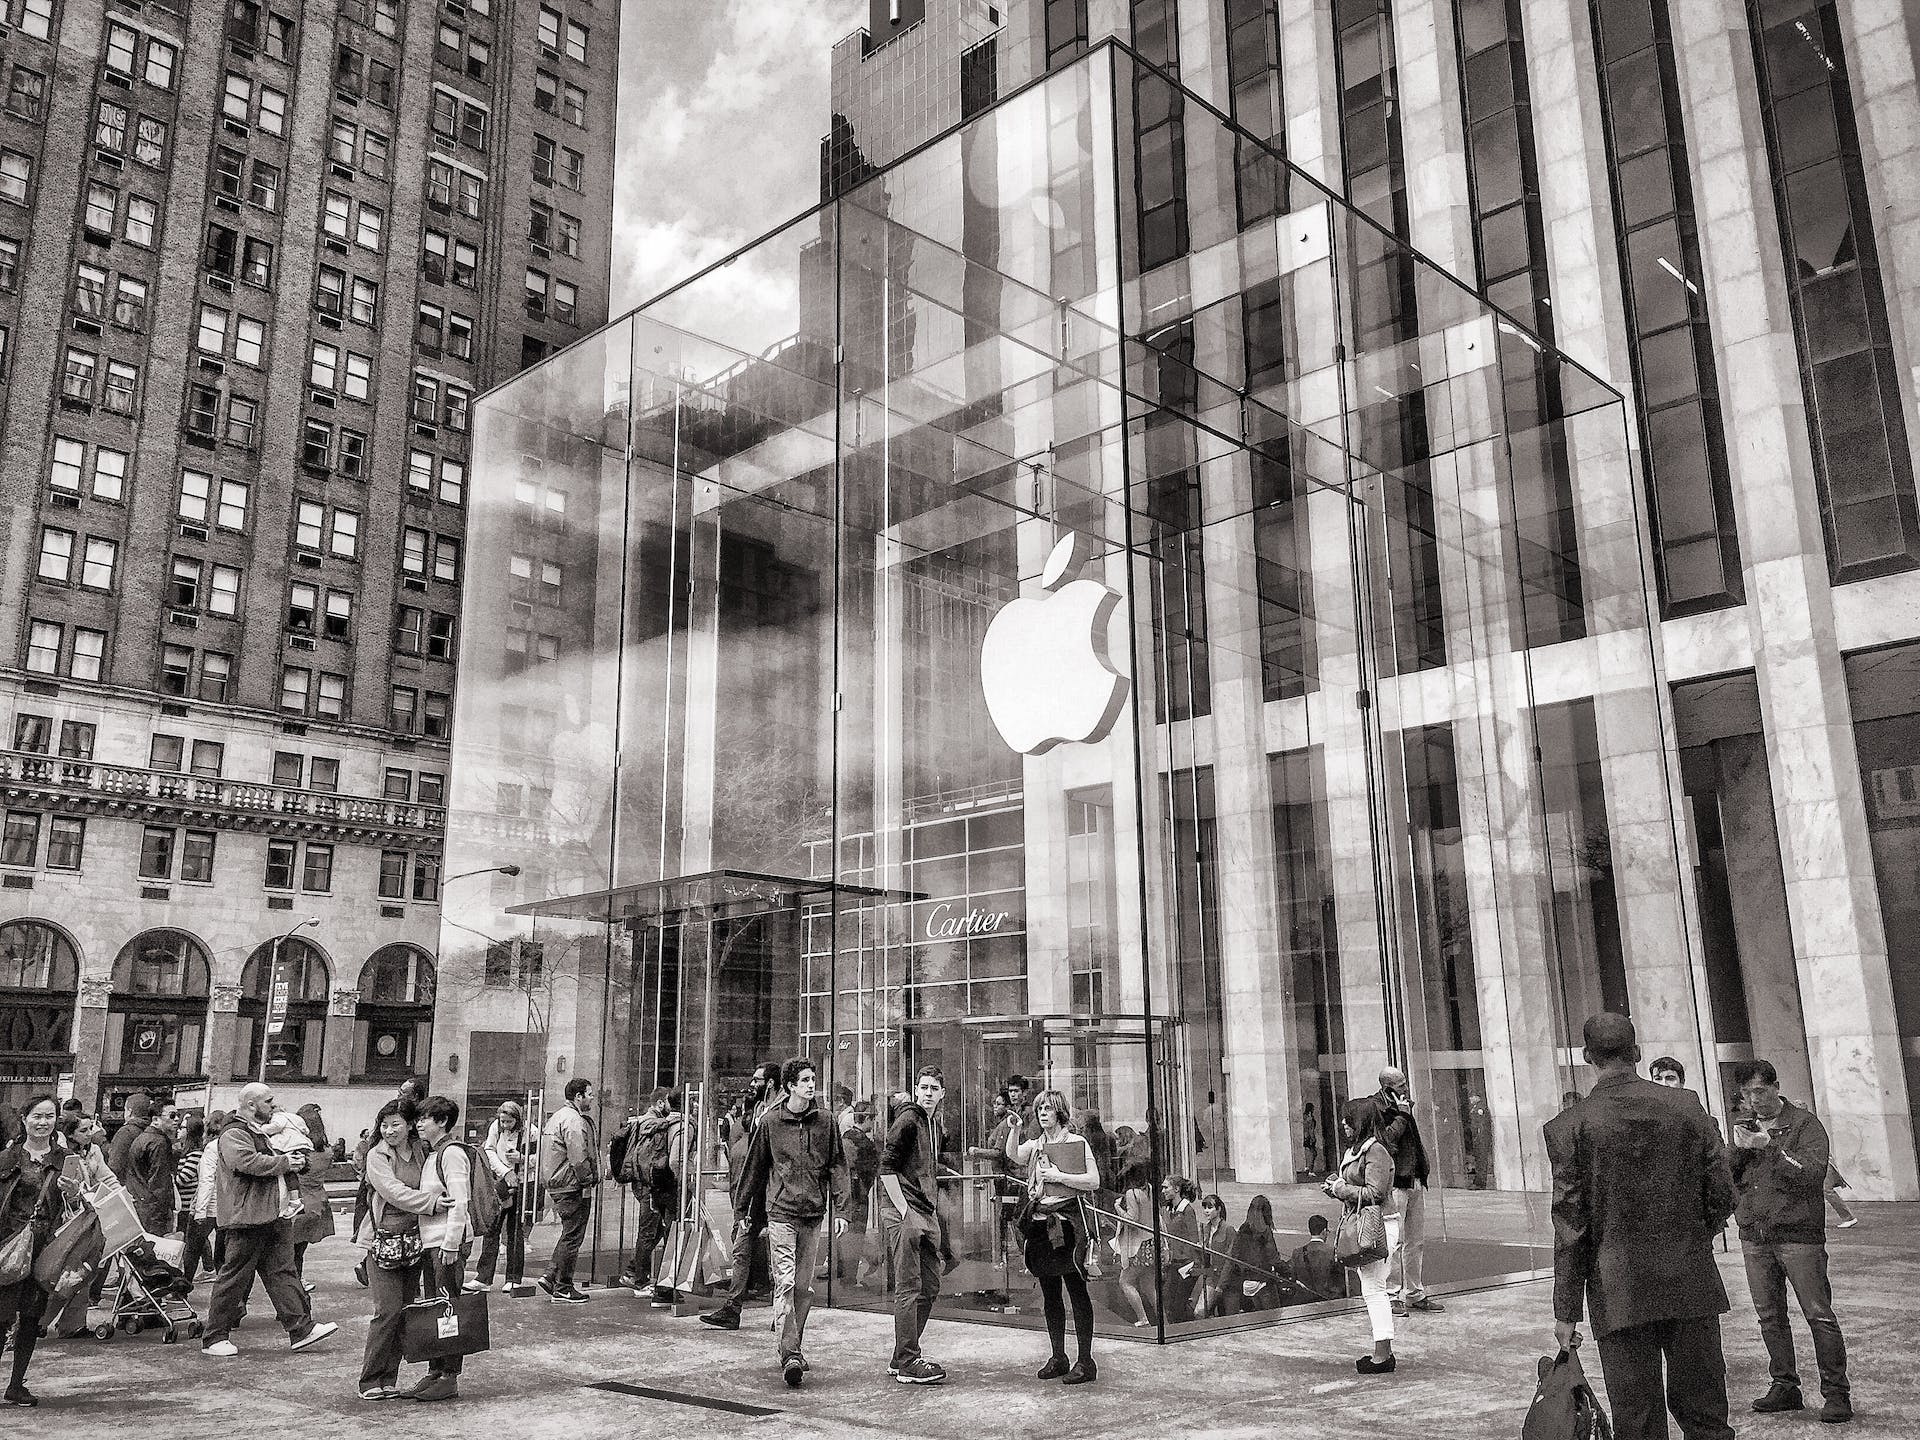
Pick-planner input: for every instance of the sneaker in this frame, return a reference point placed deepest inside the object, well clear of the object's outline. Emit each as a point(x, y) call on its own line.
point(569, 1296)
point(727, 1317)
point(477, 1287)
point(626, 1281)
point(360, 1274)
point(382, 1392)
point(221, 1349)
point(1837, 1411)
point(1427, 1303)
point(307, 1285)
point(1848, 1223)
point(793, 1370)
point(435, 1387)
point(1400, 1308)
point(919, 1372)
point(661, 1296)
point(1780, 1396)
point(1084, 1372)
point(315, 1334)
point(545, 1282)
point(21, 1396)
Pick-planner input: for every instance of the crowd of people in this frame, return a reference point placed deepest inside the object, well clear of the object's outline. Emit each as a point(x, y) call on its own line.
point(1644, 1183)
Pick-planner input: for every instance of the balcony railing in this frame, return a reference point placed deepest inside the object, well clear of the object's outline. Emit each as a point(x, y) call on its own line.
point(248, 804)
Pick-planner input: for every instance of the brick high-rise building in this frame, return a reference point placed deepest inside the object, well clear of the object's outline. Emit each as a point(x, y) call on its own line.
point(255, 261)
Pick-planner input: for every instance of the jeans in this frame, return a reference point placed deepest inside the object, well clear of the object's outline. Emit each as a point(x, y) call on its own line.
point(393, 1291)
point(1770, 1269)
point(914, 1243)
point(199, 1233)
point(1375, 1285)
point(657, 1209)
point(265, 1251)
point(1667, 1365)
point(745, 1235)
point(1408, 1260)
point(794, 1247)
point(514, 1224)
point(575, 1210)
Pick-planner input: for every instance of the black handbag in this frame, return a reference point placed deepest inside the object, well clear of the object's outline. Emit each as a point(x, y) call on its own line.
point(439, 1327)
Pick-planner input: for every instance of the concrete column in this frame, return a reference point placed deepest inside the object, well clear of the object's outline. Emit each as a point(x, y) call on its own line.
point(1840, 943)
point(1427, 81)
point(1309, 88)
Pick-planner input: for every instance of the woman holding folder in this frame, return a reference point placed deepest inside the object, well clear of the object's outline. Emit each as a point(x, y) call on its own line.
point(1054, 1227)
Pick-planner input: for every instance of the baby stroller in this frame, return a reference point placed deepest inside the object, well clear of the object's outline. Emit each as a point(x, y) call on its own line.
point(152, 1293)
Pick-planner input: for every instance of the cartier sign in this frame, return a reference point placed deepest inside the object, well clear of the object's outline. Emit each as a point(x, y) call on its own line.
point(951, 920)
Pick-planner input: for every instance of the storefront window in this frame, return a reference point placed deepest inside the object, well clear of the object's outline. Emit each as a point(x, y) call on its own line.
point(296, 1037)
point(39, 976)
point(157, 1014)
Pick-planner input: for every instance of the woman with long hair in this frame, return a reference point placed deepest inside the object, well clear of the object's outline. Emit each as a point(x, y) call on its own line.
point(29, 1201)
point(1254, 1278)
point(314, 1223)
point(505, 1155)
point(399, 1199)
point(1365, 1177)
point(1061, 1174)
point(1216, 1260)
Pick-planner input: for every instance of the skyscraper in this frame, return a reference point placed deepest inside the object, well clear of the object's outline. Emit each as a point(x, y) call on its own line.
point(256, 259)
point(1707, 205)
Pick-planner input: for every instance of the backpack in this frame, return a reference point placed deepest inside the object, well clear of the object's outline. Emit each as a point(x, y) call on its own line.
point(617, 1151)
point(649, 1157)
point(863, 1157)
point(483, 1205)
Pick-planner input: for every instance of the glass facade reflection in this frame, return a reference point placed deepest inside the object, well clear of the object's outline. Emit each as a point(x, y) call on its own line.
point(797, 602)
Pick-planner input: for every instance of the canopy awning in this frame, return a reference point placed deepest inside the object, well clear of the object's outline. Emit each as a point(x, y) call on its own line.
point(725, 893)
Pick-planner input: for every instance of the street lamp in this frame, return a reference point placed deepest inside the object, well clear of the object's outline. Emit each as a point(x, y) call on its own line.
point(276, 1007)
point(508, 870)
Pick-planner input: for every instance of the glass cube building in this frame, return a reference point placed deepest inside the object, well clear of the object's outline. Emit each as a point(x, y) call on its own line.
point(945, 633)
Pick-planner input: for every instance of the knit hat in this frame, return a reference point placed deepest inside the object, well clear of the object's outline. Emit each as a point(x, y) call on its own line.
point(140, 1107)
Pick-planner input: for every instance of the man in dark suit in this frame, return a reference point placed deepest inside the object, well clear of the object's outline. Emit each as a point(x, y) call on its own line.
point(1640, 1188)
point(1313, 1266)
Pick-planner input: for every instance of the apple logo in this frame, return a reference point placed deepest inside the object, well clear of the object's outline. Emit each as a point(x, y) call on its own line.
point(1044, 665)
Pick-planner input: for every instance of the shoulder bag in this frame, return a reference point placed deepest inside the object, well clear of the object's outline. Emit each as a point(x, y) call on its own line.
point(1361, 1238)
point(396, 1240)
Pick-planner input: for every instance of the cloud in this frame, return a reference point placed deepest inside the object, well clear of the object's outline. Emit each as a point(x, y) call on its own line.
point(722, 106)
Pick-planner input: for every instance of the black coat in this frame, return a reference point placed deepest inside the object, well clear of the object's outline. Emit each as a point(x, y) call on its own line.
point(1782, 1189)
point(1640, 1189)
point(29, 1196)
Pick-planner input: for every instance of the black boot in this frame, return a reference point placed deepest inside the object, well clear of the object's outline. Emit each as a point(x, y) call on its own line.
point(1780, 1396)
point(1054, 1368)
point(727, 1317)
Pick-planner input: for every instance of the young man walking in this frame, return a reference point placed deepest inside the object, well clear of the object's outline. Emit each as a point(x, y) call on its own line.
point(911, 1225)
point(1780, 1155)
point(570, 1166)
point(250, 1195)
point(741, 1125)
point(794, 1168)
point(1640, 1190)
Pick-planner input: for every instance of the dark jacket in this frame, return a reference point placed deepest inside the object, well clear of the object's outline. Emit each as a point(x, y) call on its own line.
point(29, 1196)
point(1314, 1269)
point(909, 1155)
point(149, 1181)
point(251, 1183)
point(1782, 1188)
point(1400, 1133)
point(1640, 1189)
point(794, 1162)
point(120, 1148)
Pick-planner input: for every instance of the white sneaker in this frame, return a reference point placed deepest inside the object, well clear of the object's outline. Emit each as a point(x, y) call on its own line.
point(476, 1287)
point(222, 1349)
point(314, 1336)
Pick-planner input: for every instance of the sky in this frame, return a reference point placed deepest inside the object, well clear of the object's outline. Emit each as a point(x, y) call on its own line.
point(722, 106)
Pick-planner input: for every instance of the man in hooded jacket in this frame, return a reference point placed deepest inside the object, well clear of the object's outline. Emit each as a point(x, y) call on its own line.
point(794, 1168)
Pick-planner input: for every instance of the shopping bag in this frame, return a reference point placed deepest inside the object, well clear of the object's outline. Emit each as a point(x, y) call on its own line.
point(169, 1250)
point(68, 1261)
point(1564, 1405)
point(16, 1256)
point(119, 1222)
point(442, 1326)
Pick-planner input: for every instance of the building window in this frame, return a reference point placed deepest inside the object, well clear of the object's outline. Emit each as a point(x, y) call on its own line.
point(156, 853)
point(16, 176)
point(296, 1049)
point(393, 874)
point(20, 843)
point(316, 875)
point(544, 158)
point(1254, 100)
point(1684, 448)
point(56, 555)
point(295, 684)
point(196, 856)
point(88, 654)
point(27, 93)
point(209, 756)
point(44, 640)
point(398, 785)
point(393, 1023)
point(1855, 415)
point(176, 669)
point(216, 677)
point(324, 775)
point(280, 860)
point(66, 842)
point(402, 703)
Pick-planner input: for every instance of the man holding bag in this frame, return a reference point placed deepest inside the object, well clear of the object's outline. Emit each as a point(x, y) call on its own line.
point(1641, 1186)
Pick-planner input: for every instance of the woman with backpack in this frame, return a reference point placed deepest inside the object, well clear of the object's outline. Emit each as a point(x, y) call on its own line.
point(505, 1156)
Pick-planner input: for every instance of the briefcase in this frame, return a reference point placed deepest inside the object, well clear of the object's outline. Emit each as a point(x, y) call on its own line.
point(442, 1326)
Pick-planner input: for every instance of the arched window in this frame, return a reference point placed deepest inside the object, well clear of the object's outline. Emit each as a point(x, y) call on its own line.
point(393, 1023)
point(39, 981)
point(157, 1016)
point(296, 1051)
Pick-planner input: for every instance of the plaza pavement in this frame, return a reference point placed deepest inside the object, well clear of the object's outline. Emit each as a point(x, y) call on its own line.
point(1467, 1373)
